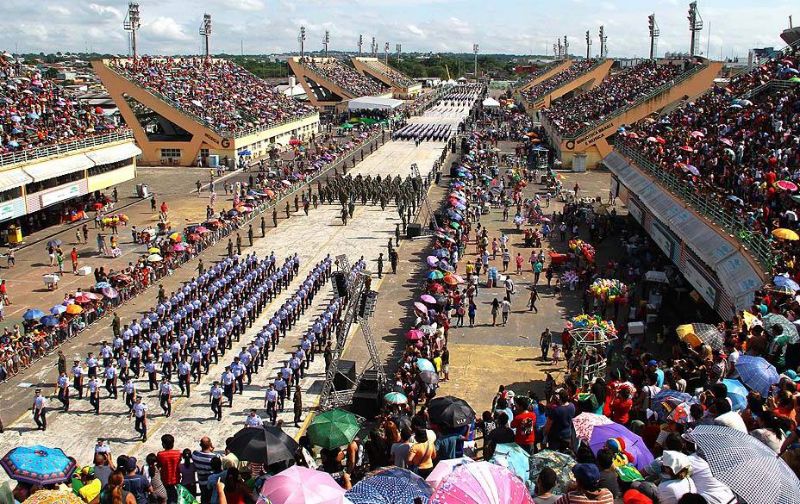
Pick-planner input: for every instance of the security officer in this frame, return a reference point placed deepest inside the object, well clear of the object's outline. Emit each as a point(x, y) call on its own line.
point(216, 400)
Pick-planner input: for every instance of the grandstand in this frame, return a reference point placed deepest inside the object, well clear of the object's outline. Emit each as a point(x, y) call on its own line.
point(330, 82)
point(198, 111)
point(54, 148)
point(578, 126)
point(403, 86)
point(714, 178)
point(541, 74)
point(579, 76)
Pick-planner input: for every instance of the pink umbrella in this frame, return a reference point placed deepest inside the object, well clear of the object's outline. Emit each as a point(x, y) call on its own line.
point(481, 483)
point(585, 424)
point(420, 307)
point(427, 298)
point(301, 485)
point(686, 148)
point(414, 335)
point(432, 261)
point(697, 134)
point(179, 247)
point(444, 468)
point(786, 185)
point(726, 141)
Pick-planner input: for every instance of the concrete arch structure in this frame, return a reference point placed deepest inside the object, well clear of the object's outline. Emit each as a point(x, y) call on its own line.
point(374, 67)
point(583, 82)
point(313, 83)
point(557, 68)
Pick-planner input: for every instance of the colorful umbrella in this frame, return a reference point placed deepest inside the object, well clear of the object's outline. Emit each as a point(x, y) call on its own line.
point(301, 485)
point(481, 483)
point(432, 261)
point(54, 243)
point(154, 250)
point(701, 334)
point(757, 373)
point(38, 465)
point(176, 236)
point(420, 307)
point(102, 285)
point(58, 309)
point(737, 393)
point(425, 365)
point(586, 422)
point(333, 428)
point(49, 321)
point(786, 185)
point(427, 298)
point(785, 281)
point(667, 400)
point(449, 411)
point(784, 331)
point(390, 485)
point(33, 314)
point(785, 234)
point(633, 443)
point(514, 458)
point(434, 275)
point(429, 377)
point(748, 466)
point(395, 398)
point(74, 309)
point(110, 292)
point(82, 298)
point(681, 414)
point(444, 468)
point(561, 463)
point(154, 258)
point(414, 335)
point(179, 247)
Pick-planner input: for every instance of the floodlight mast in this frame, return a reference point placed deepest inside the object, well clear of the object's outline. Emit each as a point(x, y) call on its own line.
point(475, 49)
point(386, 53)
point(588, 44)
point(205, 32)
point(325, 41)
point(399, 49)
point(695, 26)
point(654, 34)
point(302, 39)
point(603, 42)
point(132, 23)
point(360, 43)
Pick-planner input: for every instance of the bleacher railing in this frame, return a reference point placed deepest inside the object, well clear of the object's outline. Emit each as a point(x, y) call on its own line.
point(654, 93)
point(708, 206)
point(542, 95)
point(97, 140)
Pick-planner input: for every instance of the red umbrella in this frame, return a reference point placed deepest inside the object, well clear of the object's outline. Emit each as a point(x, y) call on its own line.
point(414, 335)
point(82, 298)
point(686, 148)
point(436, 288)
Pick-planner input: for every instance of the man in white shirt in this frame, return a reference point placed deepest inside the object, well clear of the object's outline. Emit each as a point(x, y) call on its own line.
point(216, 400)
point(39, 410)
point(165, 396)
point(271, 403)
point(139, 411)
point(721, 408)
point(253, 420)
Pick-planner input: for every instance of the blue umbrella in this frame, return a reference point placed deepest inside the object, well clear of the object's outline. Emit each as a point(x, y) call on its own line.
point(390, 485)
point(102, 285)
point(33, 314)
point(33, 115)
point(58, 309)
point(454, 215)
point(435, 275)
point(38, 465)
point(425, 365)
point(757, 373)
point(782, 281)
point(49, 321)
point(737, 393)
point(512, 456)
point(666, 400)
point(440, 253)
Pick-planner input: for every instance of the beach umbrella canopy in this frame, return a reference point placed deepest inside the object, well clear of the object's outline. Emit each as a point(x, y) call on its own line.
point(33, 314)
point(586, 422)
point(38, 465)
point(395, 398)
point(390, 485)
point(748, 466)
point(514, 458)
point(445, 467)
point(559, 462)
point(633, 443)
point(785, 234)
point(757, 373)
point(699, 334)
point(425, 365)
point(333, 428)
point(74, 309)
point(266, 445)
point(784, 331)
point(301, 485)
point(449, 411)
point(481, 483)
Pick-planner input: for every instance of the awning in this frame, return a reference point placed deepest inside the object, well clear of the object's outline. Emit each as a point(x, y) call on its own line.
point(113, 154)
point(491, 103)
point(11, 179)
point(373, 103)
point(58, 167)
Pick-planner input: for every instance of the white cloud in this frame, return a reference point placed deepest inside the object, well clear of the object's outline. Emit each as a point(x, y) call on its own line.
point(415, 30)
point(165, 28)
point(58, 9)
point(106, 10)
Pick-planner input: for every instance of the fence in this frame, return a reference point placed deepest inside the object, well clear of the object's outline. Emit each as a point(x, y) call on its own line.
point(757, 245)
point(65, 148)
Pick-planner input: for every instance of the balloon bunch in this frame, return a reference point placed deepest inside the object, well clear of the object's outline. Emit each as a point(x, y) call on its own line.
point(592, 323)
point(579, 246)
point(609, 290)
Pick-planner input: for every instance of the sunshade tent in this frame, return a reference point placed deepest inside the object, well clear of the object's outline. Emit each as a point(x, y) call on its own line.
point(374, 103)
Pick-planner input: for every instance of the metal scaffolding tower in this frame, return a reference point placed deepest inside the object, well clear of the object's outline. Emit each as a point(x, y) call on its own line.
point(205, 32)
point(654, 33)
point(695, 26)
point(132, 23)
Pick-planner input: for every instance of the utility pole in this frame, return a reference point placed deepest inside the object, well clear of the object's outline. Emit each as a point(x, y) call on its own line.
point(302, 39)
point(325, 41)
point(695, 27)
point(399, 49)
point(205, 32)
point(654, 33)
point(475, 49)
point(560, 49)
point(374, 48)
point(588, 44)
point(566, 48)
point(132, 23)
point(603, 39)
point(386, 53)
point(360, 43)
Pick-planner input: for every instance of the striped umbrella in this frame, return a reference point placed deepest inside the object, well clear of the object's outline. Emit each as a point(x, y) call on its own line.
point(701, 334)
point(784, 331)
point(390, 485)
point(746, 465)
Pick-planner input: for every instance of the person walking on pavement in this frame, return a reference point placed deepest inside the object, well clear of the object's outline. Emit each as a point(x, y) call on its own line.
point(215, 395)
point(73, 255)
point(39, 410)
point(533, 298)
point(62, 389)
point(263, 227)
point(198, 185)
point(139, 411)
point(544, 342)
point(271, 403)
point(298, 405)
point(380, 265)
point(393, 261)
point(94, 394)
point(165, 396)
point(230, 247)
point(274, 217)
point(238, 244)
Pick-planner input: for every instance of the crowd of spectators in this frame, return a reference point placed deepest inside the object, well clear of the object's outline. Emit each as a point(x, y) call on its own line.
point(548, 86)
point(224, 95)
point(616, 92)
point(344, 76)
point(394, 75)
point(35, 111)
point(541, 70)
point(738, 151)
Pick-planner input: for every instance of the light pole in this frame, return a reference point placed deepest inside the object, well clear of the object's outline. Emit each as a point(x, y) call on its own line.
point(654, 33)
point(132, 23)
point(325, 41)
point(475, 49)
point(695, 26)
point(205, 32)
point(302, 39)
point(588, 44)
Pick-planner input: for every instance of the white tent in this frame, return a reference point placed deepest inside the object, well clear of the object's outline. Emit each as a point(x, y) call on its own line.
point(491, 103)
point(373, 103)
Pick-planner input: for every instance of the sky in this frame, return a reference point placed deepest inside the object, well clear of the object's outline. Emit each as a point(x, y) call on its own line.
point(498, 26)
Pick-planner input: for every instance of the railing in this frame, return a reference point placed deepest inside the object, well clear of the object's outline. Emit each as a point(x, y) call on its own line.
point(351, 92)
point(25, 156)
point(757, 245)
point(257, 129)
point(541, 96)
point(379, 68)
point(773, 85)
point(620, 111)
point(535, 75)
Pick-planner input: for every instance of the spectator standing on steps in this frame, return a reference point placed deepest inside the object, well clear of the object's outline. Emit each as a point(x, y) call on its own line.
point(544, 343)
